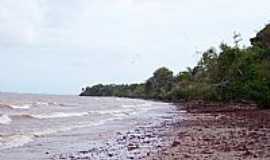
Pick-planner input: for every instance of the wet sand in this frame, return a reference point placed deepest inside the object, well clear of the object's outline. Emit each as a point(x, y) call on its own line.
point(138, 142)
point(203, 132)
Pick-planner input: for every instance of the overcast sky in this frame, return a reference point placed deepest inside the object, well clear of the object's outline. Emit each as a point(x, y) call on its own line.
point(59, 46)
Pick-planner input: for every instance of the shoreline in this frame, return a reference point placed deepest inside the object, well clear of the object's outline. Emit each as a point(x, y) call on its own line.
point(137, 141)
point(204, 131)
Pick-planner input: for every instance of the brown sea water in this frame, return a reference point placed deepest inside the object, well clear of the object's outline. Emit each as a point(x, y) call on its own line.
point(33, 125)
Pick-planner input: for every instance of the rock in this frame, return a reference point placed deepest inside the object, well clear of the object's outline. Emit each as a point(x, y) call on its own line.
point(71, 157)
point(83, 152)
point(206, 152)
point(132, 136)
point(119, 133)
point(248, 153)
point(110, 154)
point(61, 157)
point(175, 144)
point(187, 156)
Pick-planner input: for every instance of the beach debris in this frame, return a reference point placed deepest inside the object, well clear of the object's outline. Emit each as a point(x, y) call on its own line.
point(132, 146)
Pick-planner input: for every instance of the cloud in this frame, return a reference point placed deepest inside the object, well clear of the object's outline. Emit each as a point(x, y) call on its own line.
point(119, 23)
point(20, 22)
point(46, 41)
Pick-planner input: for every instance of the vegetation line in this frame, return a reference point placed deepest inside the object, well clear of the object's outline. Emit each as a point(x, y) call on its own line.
point(230, 74)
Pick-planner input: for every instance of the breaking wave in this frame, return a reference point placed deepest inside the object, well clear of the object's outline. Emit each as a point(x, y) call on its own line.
point(137, 105)
point(112, 112)
point(16, 106)
point(4, 119)
point(12, 141)
point(23, 106)
point(58, 115)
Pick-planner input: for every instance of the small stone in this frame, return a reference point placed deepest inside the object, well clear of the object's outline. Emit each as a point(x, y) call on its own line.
point(110, 154)
point(83, 152)
point(175, 143)
point(71, 156)
point(118, 133)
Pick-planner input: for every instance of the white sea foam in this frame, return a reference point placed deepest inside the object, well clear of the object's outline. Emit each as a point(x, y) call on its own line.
point(128, 106)
point(46, 132)
point(112, 112)
point(137, 105)
point(16, 106)
point(22, 106)
point(146, 105)
point(4, 119)
point(65, 129)
point(127, 109)
point(14, 141)
point(41, 103)
point(68, 128)
point(58, 115)
point(54, 103)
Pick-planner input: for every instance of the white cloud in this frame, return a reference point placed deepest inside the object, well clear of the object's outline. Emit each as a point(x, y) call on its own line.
point(118, 23)
point(130, 38)
point(20, 22)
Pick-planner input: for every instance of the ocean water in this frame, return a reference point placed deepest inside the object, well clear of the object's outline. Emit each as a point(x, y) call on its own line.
point(31, 125)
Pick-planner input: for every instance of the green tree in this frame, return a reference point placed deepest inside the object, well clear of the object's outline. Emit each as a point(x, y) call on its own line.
point(160, 83)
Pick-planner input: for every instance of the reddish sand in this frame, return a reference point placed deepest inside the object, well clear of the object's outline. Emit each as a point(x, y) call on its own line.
point(219, 132)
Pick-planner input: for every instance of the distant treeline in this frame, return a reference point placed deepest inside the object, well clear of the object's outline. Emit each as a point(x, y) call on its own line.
point(227, 74)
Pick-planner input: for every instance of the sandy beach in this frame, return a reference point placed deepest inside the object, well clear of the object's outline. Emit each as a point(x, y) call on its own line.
point(219, 132)
point(203, 132)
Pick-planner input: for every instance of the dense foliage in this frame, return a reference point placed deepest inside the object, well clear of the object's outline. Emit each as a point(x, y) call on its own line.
point(231, 73)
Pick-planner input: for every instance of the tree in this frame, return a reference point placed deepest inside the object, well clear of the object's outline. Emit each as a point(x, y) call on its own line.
point(160, 83)
point(262, 38)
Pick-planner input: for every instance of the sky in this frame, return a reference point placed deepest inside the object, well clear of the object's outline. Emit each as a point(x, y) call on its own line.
point(60, 46)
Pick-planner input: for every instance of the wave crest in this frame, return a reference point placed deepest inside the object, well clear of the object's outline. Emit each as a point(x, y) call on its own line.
point(58, 115)
point(4, 119)
point(137, 105)
point(14, 141)
point(16, 106)
point(23, 106)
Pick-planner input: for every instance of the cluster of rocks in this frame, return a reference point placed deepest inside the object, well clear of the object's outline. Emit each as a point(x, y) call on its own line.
point(138, 143)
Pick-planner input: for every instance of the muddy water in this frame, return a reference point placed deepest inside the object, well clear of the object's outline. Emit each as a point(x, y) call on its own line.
point(38, 126)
